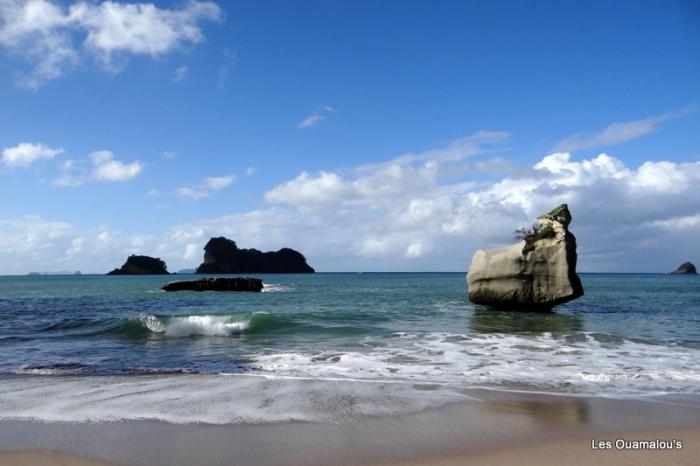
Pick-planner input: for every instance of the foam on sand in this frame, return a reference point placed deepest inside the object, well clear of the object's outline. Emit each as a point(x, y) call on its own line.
point(213, 399)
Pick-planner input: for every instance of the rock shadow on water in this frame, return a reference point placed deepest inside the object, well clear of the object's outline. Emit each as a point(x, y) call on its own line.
point(486, 320)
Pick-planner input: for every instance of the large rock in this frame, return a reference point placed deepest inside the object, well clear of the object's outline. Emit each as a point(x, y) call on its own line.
point(536, 274)
point(685, 269)
point(216, 284)
point(221, 255)
point(141, 265)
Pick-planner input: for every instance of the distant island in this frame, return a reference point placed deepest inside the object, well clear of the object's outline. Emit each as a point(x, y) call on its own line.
point(222, 255)
point(60, 272)
point(141, 265)
point(687, 268)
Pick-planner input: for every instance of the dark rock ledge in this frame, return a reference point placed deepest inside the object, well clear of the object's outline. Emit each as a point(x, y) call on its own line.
point(216, 284)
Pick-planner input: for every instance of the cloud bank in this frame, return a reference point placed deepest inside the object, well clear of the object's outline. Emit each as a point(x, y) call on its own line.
point(423, 211)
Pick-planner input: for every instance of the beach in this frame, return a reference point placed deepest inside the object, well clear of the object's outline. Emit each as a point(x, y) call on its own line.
point(492, 428)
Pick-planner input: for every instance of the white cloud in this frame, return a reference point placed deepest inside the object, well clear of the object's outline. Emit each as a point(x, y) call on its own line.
point(180, 74)
point(99, 166)
point(316, 117)
point(26, 153)
point(153, 193)
point(207, 184)
point(250, 171)
point(218, 183)
point(618, 133)
point(49, 36)
point(384, 183)
point(411, 207)
point(108, 169)
point(192, 193)
point(413, 213)
point(192, 251)
point(168, 154)
point(229, 60)
point(73, 174)
point(414, 250)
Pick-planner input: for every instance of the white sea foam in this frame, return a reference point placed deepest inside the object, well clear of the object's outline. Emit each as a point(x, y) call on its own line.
point(276, 287)
point(207, 325)
point(387, 377)
point(586, 365)
point(215, 399)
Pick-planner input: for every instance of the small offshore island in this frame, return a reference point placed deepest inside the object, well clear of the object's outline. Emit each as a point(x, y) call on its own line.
point(141, 265)
point(687, 268)
point(222, 256)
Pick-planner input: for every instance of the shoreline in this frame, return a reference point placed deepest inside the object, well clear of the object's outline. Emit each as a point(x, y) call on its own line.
point(495, 428)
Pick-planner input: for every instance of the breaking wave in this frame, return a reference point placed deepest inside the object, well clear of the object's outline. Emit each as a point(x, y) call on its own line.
point(206, 325)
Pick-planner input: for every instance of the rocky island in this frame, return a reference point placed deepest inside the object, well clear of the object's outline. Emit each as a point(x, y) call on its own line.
point(222, 255)
point(536, 274)
point(687, 268)
point(216, 284)
point(141, 265)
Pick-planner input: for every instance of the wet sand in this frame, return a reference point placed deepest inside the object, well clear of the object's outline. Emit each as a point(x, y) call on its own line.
point(495, 428)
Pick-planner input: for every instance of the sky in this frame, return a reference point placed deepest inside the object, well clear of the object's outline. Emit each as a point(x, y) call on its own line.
point(370, 136)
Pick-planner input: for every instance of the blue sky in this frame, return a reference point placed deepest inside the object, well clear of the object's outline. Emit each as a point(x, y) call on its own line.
point(148, 128)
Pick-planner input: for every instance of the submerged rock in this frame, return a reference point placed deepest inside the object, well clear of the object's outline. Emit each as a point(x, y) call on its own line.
point(685, 269)
point(216, 284)
point(141, 265)
point(221, 255)
point(536, 274)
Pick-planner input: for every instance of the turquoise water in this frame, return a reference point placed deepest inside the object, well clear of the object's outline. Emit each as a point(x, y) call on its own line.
point(630, 334)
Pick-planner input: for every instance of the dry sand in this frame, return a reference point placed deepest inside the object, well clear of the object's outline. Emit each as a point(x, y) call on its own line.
point(560, 453)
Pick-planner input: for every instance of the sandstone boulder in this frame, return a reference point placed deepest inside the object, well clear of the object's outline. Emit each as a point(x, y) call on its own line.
point(538, 273)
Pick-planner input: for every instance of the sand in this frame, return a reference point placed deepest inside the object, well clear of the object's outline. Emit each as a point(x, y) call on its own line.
point(494, 429)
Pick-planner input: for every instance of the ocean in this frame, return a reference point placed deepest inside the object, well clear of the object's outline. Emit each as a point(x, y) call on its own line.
point(328, 347)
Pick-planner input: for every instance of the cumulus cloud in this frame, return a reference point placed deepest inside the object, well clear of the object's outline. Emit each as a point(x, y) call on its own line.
point(416, 213)
point(205, 186)
point(419, 211)
point(218, 183)
point(619, 132)
point(99, 166)
point(109, 169)
point(26, 153)
point(53, 38)
point(316, 117)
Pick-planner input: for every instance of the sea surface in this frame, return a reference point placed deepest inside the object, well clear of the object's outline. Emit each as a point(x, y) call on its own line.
point(328, 347)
